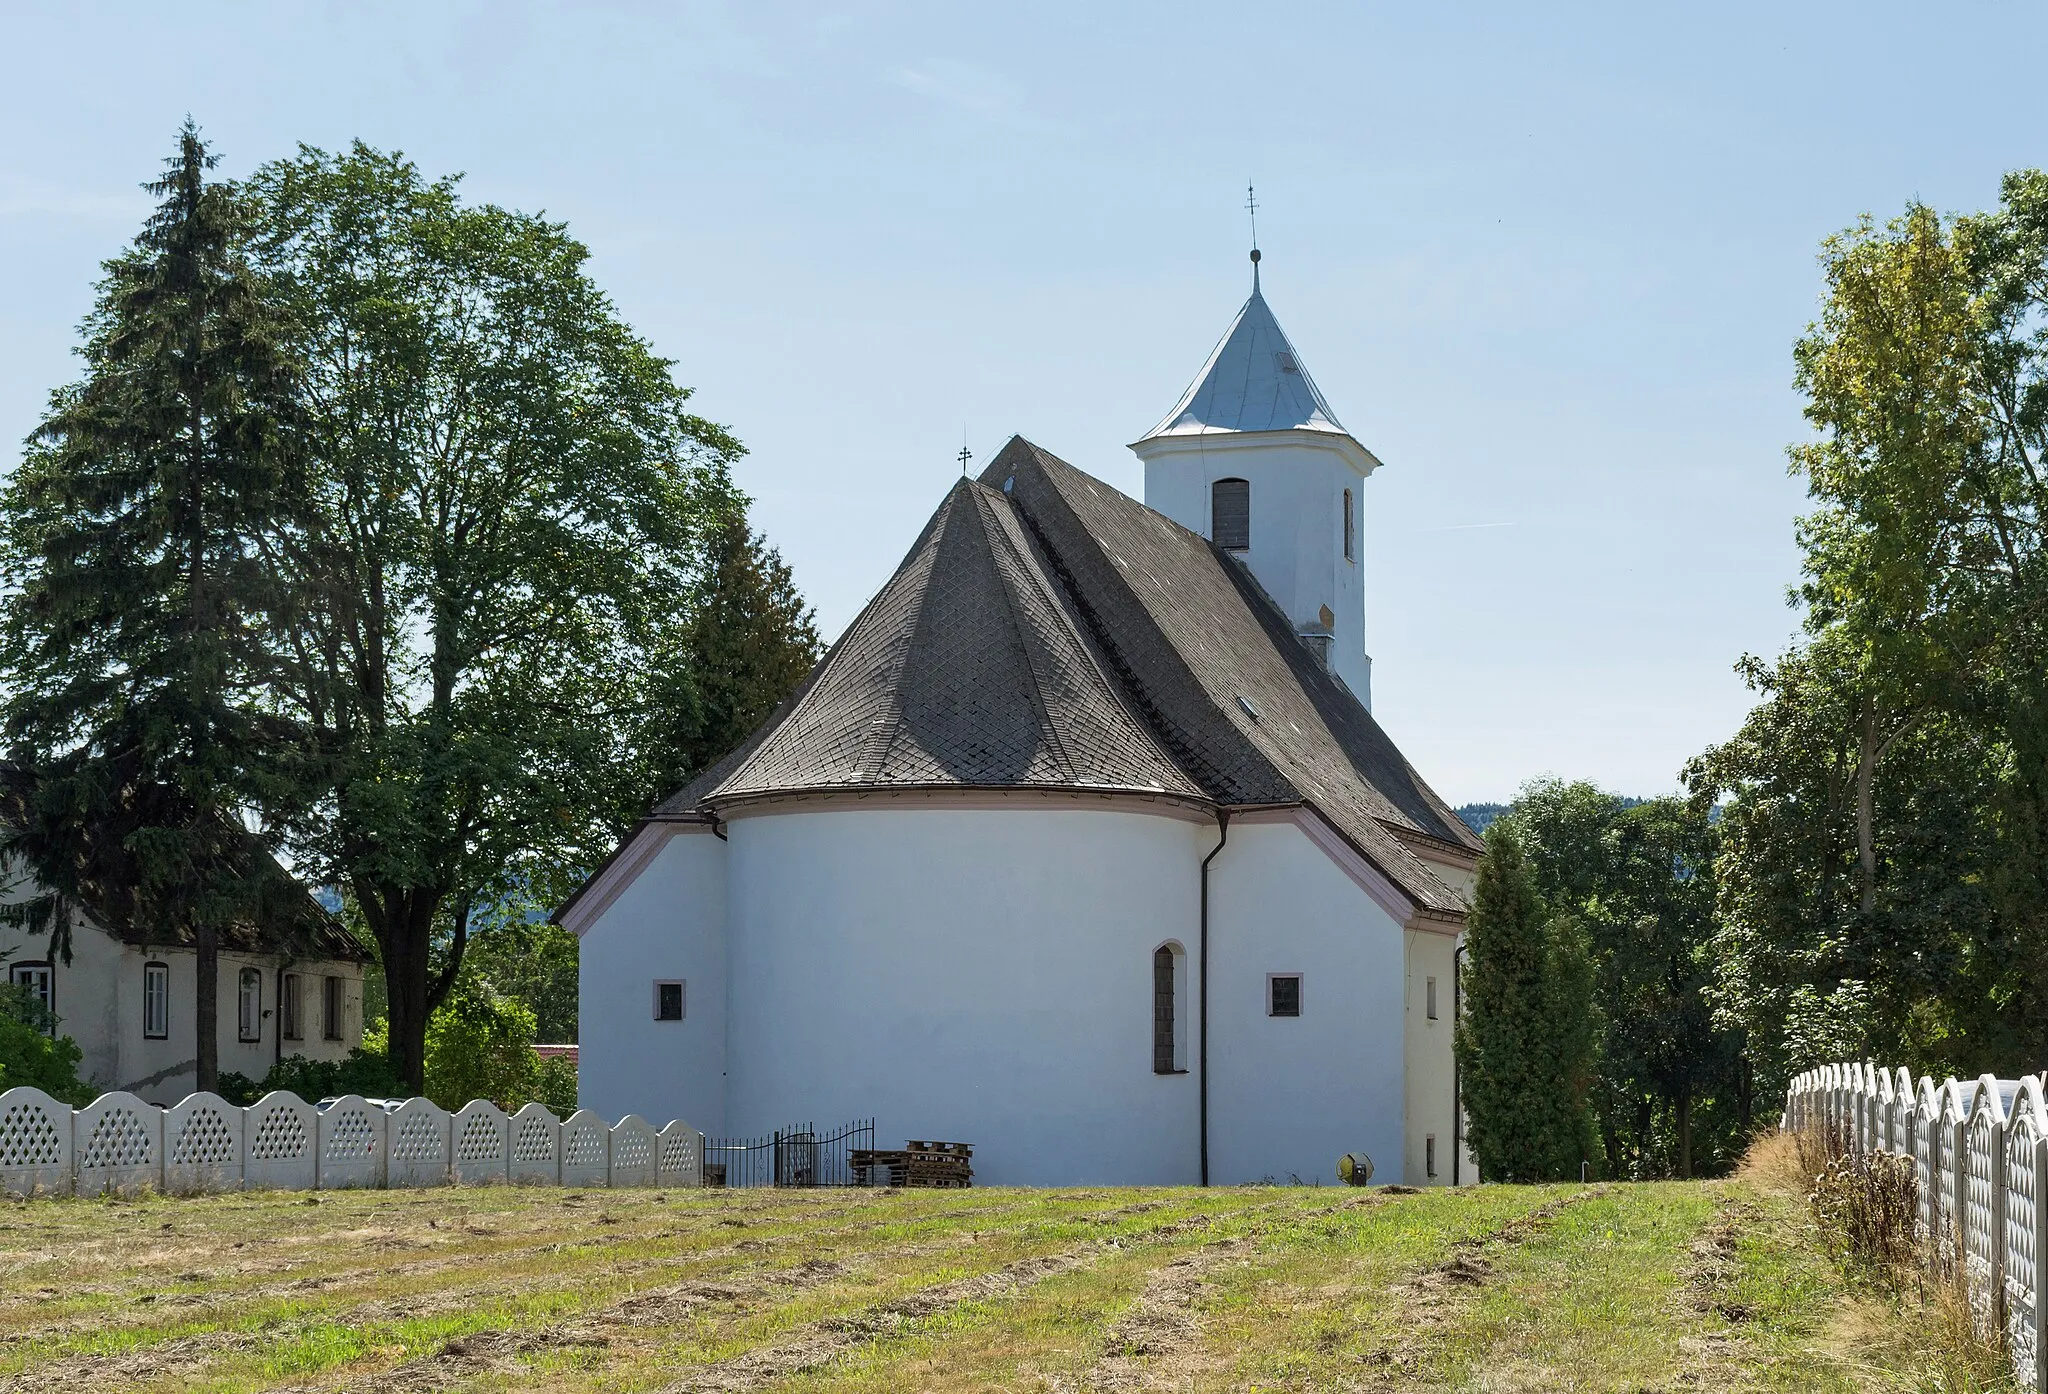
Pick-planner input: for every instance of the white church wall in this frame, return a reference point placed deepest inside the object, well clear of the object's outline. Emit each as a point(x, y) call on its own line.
point(1431, 1079)
point(978, 975)
point(669, 924)
point(1288, 1096)
point(1297, 536)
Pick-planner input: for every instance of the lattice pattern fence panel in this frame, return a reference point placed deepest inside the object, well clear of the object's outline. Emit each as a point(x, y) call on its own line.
point(586, 1150)
point(280, 1132)
point(418, 1131)
point(634, 1151)
point(2026, 1234)
point(482, 1145)
point(1983, 1205)
point(202, 1145)
point(120, 1142)
point(351, 1137)
point(682, 1155)
point(536, 1147)
point(35, 1143)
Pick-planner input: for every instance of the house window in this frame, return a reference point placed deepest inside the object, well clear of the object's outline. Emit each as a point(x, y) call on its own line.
point(668, 1001)
point(290, 1023)
point(1429, 998)
point(1350, 529)
point(37, 979)
point(1162, 1011)
point(330, 1008)
point(156, 1001)
point(1230, 514)
point(1429, 1155)
point(249, 1018)
point(1283, 994)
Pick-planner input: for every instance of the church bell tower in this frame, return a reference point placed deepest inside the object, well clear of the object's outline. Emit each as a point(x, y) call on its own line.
point(1252, 458)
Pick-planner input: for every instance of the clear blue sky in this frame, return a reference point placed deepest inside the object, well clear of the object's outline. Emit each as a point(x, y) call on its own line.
point(1547, 264)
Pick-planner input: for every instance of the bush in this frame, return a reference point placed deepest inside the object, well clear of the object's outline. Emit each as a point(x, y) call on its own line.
point(480, 1046)
point(1864, 1209)
point(365, 1070)
point(32, 1054)
point(557, 1086)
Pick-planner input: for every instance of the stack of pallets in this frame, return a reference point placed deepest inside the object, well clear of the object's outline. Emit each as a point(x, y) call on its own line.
point(915, 1164)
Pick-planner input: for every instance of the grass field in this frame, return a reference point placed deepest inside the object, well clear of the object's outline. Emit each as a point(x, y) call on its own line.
point(1657, 1287)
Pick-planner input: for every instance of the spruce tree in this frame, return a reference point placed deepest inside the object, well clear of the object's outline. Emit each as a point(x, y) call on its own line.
point(1525, 1038)
point(135, 627)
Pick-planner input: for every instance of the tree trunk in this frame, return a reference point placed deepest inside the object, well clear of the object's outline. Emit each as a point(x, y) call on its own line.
point(1685, 1133)
point(206, 1013)
point(404, 925)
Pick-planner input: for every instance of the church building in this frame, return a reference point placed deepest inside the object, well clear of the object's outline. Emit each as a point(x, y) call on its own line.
point(1081, 844)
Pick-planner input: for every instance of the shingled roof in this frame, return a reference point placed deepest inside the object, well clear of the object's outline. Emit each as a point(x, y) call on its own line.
point(970, 669)
point(1049, 632)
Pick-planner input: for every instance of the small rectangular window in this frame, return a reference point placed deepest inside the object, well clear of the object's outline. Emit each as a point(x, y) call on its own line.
point(1283, 994)
point(36, 977)
point(668, 1001)
point(1429, 998)
point(290, 1023)
point(1230, 514)
point(330, 1008)
point(1429, 1155)
point(156, 1001)
point(249, 1019)
point(1350, 529)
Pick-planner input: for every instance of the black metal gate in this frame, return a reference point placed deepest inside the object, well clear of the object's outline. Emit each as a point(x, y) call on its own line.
point(794, 1156)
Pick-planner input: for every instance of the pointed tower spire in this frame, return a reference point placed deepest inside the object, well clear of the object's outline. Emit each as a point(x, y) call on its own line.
point(1251, 206)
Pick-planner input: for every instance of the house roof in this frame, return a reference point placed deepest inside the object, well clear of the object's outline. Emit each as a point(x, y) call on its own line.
point(290, 921)
point(1253, 381)
point(1047, 631)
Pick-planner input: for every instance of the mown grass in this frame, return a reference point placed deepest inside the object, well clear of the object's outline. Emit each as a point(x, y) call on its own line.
point(1620, 1287)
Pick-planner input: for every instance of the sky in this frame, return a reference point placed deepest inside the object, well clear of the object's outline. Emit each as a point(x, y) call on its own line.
point(1547, 262)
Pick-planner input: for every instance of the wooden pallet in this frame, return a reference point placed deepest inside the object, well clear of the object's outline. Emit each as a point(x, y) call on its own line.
point(927, 1164)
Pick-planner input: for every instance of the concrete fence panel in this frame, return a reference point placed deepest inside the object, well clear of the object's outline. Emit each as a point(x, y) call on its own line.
point(202, 1145)
point(120, 1146)
point(419, 1153)
point(1983, 1205)
point(35, 1143)
point(483, 1144)
point(280, 1132)
point(2026, 1235)
point(634, 1152)
point(681, 1155)
point(586, 1150)
point(536, 1147)
point(351, 1134)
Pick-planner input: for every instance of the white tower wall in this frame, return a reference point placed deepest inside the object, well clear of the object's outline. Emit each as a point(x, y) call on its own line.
point(1298, 481)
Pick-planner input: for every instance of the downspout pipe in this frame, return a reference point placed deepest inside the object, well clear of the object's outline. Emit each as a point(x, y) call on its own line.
point(1202, 999)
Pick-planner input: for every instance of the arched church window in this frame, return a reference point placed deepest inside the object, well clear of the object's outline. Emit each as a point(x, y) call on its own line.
point(1230, 514)
point(1350, 529)
point(1168, 1054)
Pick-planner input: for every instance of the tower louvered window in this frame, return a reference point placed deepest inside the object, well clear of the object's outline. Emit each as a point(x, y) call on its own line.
point(1350, 529)
point(1230, 514)
point(1162, 1011)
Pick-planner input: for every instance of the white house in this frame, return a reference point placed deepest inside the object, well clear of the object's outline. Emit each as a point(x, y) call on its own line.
point(128, 1000)
point(1081, 844)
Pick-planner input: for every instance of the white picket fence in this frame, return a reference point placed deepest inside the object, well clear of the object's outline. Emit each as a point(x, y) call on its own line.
point(119, 1143)
point(1980, 1152)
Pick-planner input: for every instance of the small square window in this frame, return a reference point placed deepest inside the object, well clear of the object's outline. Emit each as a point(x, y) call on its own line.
point(1283, 994)
point(1429, 994)
point(668, 1001)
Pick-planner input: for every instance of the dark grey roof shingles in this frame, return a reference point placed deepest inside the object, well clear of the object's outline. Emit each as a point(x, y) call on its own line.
point(1059, 634)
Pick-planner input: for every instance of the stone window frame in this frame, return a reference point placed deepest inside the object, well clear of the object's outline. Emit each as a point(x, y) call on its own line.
point(156, 1000)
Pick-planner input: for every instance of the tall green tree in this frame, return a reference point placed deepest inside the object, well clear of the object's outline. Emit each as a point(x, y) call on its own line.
point(1525, 1040)
point(138, 612)
point(1884, 875)
point(511, 498)
point(1672, 1090)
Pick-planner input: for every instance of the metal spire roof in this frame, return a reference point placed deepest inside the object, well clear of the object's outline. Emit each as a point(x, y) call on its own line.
point(1253, 381)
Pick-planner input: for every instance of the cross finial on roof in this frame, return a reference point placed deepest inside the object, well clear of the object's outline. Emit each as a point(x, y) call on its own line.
point(964, 456)
point(1251, 206)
